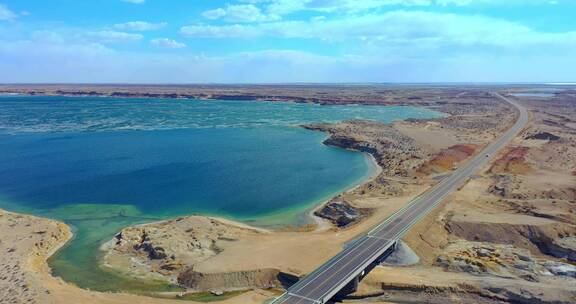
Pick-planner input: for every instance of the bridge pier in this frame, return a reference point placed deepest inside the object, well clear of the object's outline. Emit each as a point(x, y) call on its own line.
point(351, 287)
point(383, 257)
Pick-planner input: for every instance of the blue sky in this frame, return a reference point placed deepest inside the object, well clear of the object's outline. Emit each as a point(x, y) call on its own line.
point(268, 41)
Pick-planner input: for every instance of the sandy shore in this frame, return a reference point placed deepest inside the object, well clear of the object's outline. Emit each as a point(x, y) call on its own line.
point(26, 242)
point(274, 249)
point(323, 224)
point(452, 265)
point(483, 244)
point(293, 251)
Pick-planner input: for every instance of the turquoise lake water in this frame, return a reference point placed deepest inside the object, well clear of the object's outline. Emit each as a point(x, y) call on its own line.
point(101, 164)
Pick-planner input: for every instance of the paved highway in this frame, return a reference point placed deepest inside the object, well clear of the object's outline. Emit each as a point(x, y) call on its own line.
point(325, 282)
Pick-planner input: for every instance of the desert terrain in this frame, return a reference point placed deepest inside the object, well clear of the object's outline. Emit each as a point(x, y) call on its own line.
point(507, 236)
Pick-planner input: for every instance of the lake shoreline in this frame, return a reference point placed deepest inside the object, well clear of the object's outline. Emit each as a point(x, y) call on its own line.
point(452, 253)
point(277, 220)
point(119, 256)
point(71, 235)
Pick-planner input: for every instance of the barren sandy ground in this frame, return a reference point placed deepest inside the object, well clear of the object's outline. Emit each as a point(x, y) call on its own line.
point(402, 149)
point(27, 241)
point(504, 237)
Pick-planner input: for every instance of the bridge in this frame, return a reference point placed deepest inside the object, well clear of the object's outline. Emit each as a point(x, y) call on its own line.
point(342, 273)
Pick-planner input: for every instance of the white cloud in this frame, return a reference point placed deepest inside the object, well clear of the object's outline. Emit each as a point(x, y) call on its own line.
point(67, 62)
point(135, 1)
point(391, 45)
point(6, 14)
point(76, 36)
point(240, 13)
point(290, 6)
point(214, 14)
point(113, 36)
point(31, 61)
point(139, 26)
point(227, 31)
point(167, 43)
point(497, 2)
point(284, 7)
point(396, 28)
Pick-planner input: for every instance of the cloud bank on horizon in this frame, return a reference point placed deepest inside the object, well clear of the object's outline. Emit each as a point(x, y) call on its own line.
point(266, 41)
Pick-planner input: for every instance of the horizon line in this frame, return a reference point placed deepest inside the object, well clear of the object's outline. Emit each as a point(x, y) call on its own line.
point(288, 83)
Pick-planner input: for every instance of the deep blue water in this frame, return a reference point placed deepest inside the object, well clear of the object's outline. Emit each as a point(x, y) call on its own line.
point(102, 163)
point(238, 172)
point(167, 157)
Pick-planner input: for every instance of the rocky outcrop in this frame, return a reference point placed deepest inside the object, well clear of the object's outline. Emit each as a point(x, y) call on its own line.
point(506, 186)
point(527, 296)
point(512, 186)
point(154, 252)
point(168, 248)
point(543, 136)
point(261, 278)
point(501, 260)
point(345, 142)
point(396, 153)
point(341, 213)
point(564, 248)
point(542, 237)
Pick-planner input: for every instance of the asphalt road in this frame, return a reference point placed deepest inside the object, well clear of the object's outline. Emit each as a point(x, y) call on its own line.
point(323, 283)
